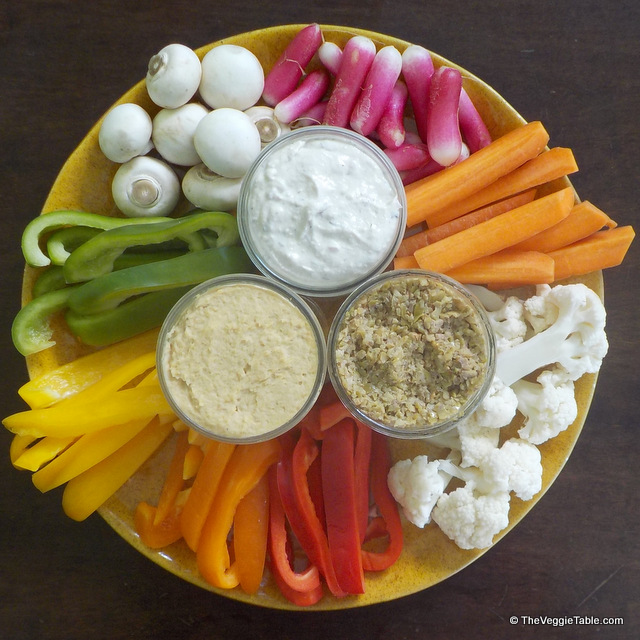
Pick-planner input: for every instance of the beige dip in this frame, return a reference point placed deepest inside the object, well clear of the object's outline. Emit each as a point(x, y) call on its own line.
point(240, 361)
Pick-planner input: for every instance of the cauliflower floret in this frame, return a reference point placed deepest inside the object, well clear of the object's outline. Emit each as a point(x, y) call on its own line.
point(508, 323)
point(516, 466)
point(480, 432)
point(416, 485)
point(569, 321)
point(548, 405)
point(472, 519)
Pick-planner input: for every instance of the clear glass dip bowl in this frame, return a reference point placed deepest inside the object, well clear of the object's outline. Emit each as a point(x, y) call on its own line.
point(241, 358)
point(411, 353)
point(321, 210)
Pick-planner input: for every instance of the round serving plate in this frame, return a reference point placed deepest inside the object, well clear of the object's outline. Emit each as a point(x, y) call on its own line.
point(428, 556)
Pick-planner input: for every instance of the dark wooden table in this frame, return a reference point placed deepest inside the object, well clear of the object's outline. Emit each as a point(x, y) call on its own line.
point(573, 65)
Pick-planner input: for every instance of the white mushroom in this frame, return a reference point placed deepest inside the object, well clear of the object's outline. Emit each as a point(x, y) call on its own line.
point(227, 141)
point(269, 127)
point(207, 190)
point(232, 76)
point(125, 132)
point(145, 186)
point(173, 76)
point(173, 131)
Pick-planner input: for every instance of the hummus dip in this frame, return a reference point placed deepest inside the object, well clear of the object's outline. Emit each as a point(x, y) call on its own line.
point(240, 361)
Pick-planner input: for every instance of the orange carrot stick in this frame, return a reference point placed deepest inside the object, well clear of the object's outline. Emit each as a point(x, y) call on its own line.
point(496, 234)
point(600, 250)
point(546, 167)
point(513, 268)
point(584, 219)
point(440, 190)
point(405, 262)
point(412, 243)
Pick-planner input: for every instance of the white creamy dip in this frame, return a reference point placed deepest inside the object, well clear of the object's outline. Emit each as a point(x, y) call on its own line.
point(323, 211)
point(240, 361)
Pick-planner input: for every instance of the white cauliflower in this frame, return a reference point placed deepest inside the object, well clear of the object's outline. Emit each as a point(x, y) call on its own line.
point(472, 519)
point(569, 322)
point(480, 432)
point(548, 405)
point(416, 486)
point(508, 323)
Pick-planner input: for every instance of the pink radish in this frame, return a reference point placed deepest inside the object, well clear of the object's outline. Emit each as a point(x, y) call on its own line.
point(408, 156)
point(357, 58)
point(308, 93)
point(474, 130)
point(417, 69)
point(289, 67)
point(315, 115)
point(391, 129)
point(376, 91)
point(330, 54)
point(431, 167)
point(443, 131)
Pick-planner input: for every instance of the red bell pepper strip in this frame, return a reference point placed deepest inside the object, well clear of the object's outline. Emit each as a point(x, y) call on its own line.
point(302, 588)
point(361, 463)
point(339, 491)
point(380, 465)
point(333, 413)
point(293, 486)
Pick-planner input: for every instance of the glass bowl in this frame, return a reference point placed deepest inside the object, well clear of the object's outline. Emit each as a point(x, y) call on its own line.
point(411, 353)
point(241, 358)
point(321, 210)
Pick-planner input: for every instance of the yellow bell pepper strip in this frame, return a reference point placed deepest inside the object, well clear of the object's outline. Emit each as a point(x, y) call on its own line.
point(203, 491)
point(298, 504)
point(96, 256)
point(246, 466)
point(84, 453)
point(303, 588)
point(159, 526)
point(30, 330)
point(125, 321)
point(339, 491)
point(62, 420)
point(48, 222)
point(387, 506)
point(111, 289)
point(192, 461)
point(19, 444)
point(87, 492)
point(250, 531)
point(72, 377)
point(42, 452)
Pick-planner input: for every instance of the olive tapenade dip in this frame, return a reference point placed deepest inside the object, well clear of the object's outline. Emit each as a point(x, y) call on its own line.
point(412, 352)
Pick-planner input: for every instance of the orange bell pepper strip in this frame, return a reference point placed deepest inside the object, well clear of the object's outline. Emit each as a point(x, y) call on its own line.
point(250, 532)
point(159, 526)
point(246, 466)
point(380, 465)
point(342, 514)
point(203, 490)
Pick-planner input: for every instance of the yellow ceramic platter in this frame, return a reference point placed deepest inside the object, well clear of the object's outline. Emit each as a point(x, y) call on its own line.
point(428, 556)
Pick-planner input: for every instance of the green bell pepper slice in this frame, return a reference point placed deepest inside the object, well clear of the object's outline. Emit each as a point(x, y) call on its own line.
point(96, 256)
point(48, 222)
point(111, 289)
point(30, 330)
point(125, 321)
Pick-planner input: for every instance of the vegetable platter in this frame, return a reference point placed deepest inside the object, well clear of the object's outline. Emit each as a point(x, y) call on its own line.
point(428, 555)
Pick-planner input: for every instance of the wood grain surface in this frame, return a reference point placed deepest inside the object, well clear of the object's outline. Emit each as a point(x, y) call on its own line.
point(574, 560)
